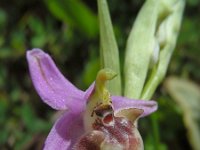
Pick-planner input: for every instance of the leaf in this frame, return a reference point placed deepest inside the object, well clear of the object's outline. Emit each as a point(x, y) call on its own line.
point(187, 95)
point(3, 19)
point(108, 47)
point(74, 13)
point(31, 122)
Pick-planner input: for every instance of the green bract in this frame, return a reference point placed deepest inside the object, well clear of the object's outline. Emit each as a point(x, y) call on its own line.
point(150, 45)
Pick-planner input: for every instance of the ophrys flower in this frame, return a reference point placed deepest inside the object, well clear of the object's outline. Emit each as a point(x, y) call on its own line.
point(93, 119)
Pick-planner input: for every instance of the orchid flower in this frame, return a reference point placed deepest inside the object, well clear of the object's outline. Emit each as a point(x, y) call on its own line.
point(94, 119)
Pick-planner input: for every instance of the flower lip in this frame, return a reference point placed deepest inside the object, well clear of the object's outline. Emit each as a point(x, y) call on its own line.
point(121, 133)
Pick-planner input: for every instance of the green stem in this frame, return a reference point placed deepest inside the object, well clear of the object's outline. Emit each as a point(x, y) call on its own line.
point(156, 134)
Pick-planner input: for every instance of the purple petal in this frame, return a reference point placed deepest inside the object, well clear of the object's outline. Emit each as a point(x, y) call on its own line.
point(65, 132)
point(50, 84)
point(120, 103)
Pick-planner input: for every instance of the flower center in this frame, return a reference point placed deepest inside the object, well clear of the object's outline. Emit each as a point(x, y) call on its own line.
point(105, 114)
point(103, 129)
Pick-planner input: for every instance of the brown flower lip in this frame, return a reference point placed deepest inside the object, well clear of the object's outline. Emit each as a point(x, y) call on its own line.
point(110, 132)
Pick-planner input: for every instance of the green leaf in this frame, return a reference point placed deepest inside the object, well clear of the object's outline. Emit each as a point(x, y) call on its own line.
point(74, 13)
point(29, 118)
point(108, 47)
point(3, 19)
point(186, 94)
point(4, 136)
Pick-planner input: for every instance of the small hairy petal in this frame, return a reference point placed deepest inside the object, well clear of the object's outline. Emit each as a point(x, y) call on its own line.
point(121, 103)
point(131, 114)
point(65, 132)
point(53, 88)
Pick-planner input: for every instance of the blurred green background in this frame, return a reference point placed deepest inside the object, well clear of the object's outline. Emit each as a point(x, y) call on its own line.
point(68, 30)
